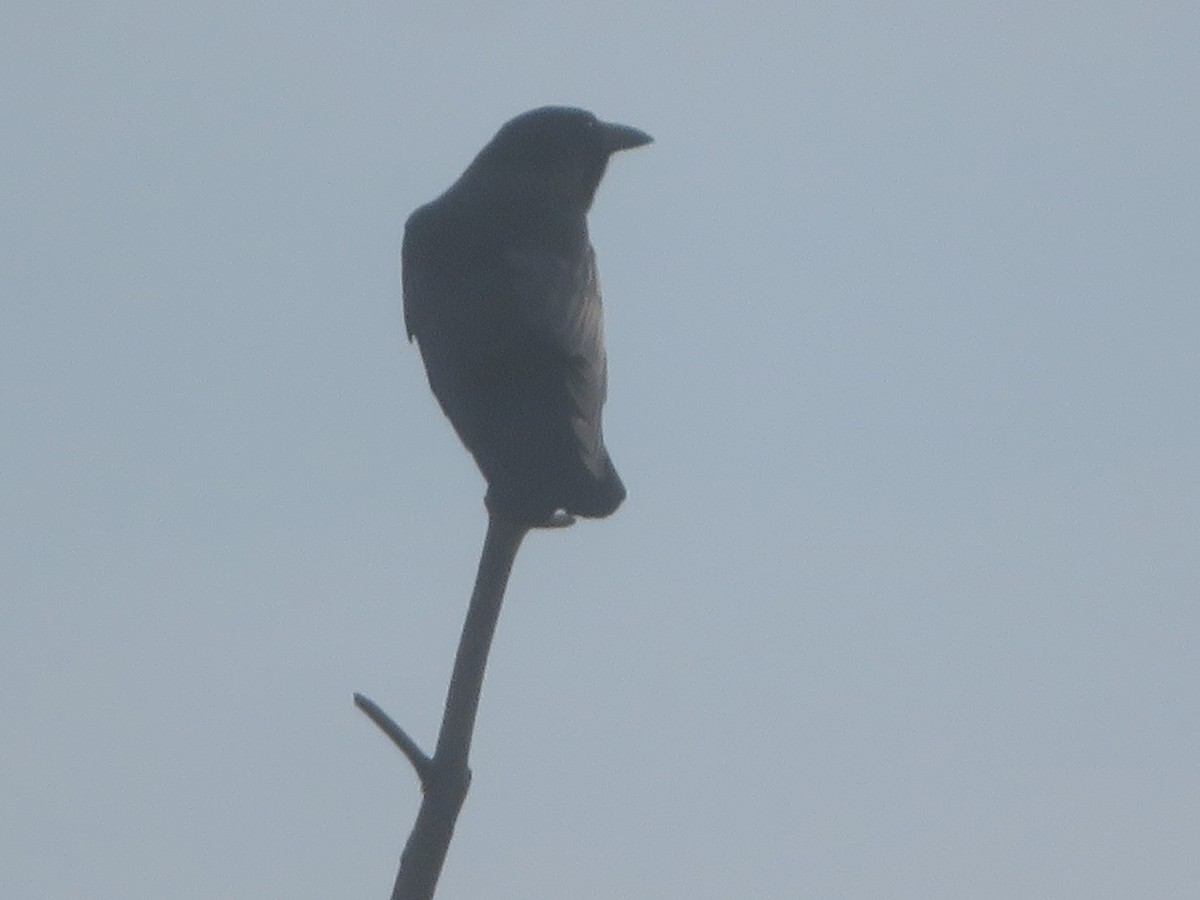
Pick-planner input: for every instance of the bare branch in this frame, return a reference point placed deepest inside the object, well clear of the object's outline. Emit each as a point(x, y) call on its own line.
point(446, 776)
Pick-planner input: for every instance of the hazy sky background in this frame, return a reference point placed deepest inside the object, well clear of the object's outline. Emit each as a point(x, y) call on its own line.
point(903, 328)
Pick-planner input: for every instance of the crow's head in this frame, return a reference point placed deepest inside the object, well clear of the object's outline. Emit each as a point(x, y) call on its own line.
point(558, 149)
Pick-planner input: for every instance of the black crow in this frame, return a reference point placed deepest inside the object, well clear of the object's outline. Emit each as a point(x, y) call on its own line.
point(502, 296)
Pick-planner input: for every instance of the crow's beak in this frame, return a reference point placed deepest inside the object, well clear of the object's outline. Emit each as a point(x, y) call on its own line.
point(623, 137)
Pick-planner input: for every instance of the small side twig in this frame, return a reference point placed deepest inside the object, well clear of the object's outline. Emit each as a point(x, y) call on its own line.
point(422, 763)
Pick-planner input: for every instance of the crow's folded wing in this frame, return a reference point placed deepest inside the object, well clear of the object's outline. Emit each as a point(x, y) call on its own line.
point(518, 324)
point(559, 300)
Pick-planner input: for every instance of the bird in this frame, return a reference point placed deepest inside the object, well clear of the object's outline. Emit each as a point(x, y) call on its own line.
point(502, 296)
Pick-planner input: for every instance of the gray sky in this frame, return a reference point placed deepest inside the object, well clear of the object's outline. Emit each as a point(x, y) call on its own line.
point(903, 349)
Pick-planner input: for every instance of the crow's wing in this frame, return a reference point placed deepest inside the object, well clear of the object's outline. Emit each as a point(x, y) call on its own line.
point(503, 327)
point(559, 299)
